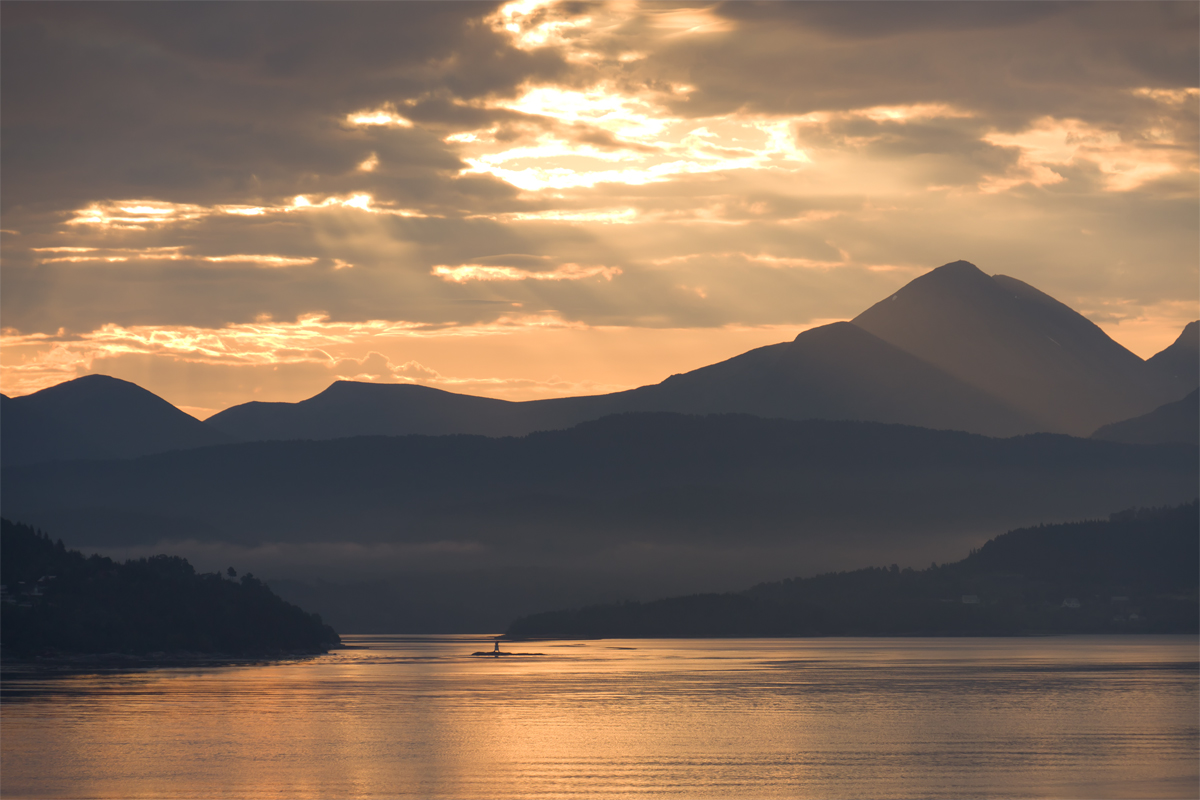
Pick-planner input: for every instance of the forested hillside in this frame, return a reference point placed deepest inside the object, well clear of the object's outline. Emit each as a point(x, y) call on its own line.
point(58, 601)
point(1134, 572)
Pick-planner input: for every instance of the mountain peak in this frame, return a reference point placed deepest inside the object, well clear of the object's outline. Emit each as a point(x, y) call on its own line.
point(91, 383)
point(1179, 360)
point(1020, 345)
point(1190, 336)
point(954, 270)
point(956, 279)
point(831, 329)
point(96, 416)
point(958, 266)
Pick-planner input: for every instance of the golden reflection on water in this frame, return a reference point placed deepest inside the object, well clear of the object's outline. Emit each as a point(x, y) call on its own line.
point(420, 717)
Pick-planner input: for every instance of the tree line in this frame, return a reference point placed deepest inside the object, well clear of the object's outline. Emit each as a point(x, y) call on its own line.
point(58, 601)
point(1133, 572)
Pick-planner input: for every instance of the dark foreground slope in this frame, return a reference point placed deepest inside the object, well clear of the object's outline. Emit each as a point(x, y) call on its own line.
point(1135, 572)
point(420, 534)
point(96, 417)
point(58, 601)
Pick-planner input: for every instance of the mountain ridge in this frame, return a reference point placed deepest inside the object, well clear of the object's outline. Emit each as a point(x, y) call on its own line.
point(1181, 359)
point(96, 417)
point(835, 371)
point(1171, 422)
point(650, 503)
point(1131, 573)
point(1020, 345)
point(953, 349)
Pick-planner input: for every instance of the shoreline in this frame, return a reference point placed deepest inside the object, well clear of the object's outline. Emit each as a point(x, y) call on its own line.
point(69, 663)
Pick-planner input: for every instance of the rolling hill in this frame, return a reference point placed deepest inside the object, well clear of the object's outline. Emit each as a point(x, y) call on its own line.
point(955, 349)
point(1173, 422)
point(95, 417)
point(836, 371)
point(464, 530)
point(1133, 572)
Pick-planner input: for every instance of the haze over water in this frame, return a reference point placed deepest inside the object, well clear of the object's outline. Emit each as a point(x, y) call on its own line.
point(419, 717)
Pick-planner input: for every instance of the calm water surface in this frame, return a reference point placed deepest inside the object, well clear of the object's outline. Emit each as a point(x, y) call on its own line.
point(419, 717)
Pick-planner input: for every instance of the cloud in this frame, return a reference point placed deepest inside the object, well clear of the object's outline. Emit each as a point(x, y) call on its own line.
point(206, 105)
point(376, 366)
point(1012, 65)
point(483, 272)
point(35, 361)
point(180, 172)
point(85, 255)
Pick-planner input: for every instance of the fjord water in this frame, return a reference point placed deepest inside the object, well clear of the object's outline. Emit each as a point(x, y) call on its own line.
point(421, 717)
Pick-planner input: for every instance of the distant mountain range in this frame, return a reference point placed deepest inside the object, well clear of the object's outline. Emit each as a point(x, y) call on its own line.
point(472, 531)
point(930, 422)
point(96, 417)
point(1182, 359)
point(955, 349)
point(837, 371)
point(1133, 572)
point(1022, 347)
point(1173, 422)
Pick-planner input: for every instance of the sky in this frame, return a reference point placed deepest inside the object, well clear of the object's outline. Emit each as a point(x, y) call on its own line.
point(225, 202)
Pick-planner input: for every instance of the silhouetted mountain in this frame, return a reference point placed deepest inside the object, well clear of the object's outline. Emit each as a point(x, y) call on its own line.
point(1021, 346)
point(349, 408)
point(1181, 360)
point(836, 371)
point(1135, 572)
point(1173, 422)
point(954, 349)
point(57, 600)
point(637, 502)
point(95, 417)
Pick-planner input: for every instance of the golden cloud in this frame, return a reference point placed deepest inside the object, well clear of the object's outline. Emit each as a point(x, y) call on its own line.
point(1125, 164)
point(482, 272)
point(81, 255)
point(140, 215)
point(385, 116)
point(35, 361)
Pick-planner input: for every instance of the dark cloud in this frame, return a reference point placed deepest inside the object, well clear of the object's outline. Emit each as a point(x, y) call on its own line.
point(520, 260)
point(1012, 62)
point(945, 151)
point(888, 18)
point(210, 101)
point(823, 208)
